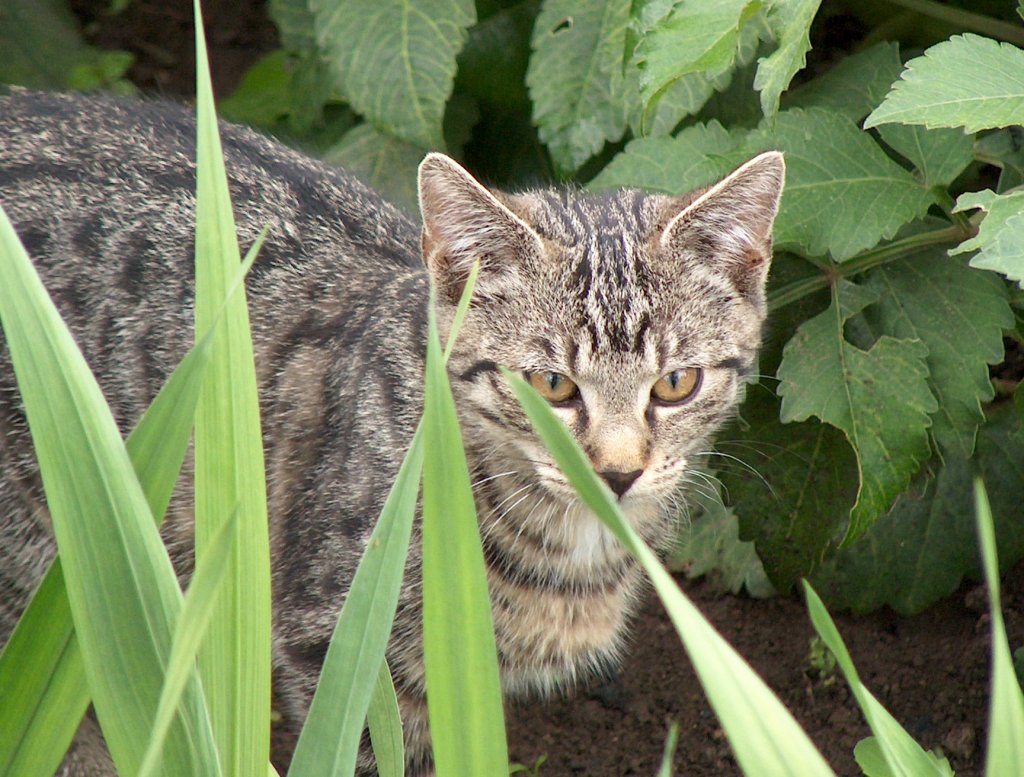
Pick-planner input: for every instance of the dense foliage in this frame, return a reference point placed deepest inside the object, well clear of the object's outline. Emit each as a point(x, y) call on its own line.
point(898, 240)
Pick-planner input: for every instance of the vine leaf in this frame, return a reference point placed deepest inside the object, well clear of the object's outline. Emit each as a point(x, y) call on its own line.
point(843, 194)
point(790, 20)
point(697, 156)
point(692, 38)
point(920, 550)
point(960, 315)
point(879, 398)
point(939, 155)
point(409, 46)
point(967, 81)
point(792, 490)
point(854, 86)
point(1000, 238)
point(576, 79)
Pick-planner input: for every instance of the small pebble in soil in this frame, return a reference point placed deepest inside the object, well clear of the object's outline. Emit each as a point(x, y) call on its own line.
point(961, 741)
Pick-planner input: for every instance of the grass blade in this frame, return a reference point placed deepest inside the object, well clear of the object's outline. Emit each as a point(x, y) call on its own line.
point(763, 734)
point(195, 617)
point(463, 689)
point(42, 678)
point(123, 593)
point(1006, 717)
point(329, 742)
point(384, 720)
point(904, 756)
point(229, 468)
point(671, 743)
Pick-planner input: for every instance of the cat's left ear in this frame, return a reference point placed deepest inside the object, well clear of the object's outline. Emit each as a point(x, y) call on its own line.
point(463, 222)
point(731, 223)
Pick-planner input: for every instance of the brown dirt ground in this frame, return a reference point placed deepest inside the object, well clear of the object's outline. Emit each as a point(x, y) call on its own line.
point(931, 671)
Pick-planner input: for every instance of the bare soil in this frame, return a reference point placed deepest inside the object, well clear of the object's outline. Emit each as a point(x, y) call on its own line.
point(931, 671)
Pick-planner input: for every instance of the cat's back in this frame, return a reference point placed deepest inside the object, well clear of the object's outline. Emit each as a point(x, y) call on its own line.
point(102, 194)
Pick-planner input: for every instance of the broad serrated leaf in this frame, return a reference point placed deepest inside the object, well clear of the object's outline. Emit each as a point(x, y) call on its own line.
point(967, 81)
point(854, 86)
point(790, 20)
point(394, 60)
point(879, 398)
point(920, 550)
point(692, 38)
point(697, 156)
point(939, 155)
point(389, 165)
point(843, 194)
point(575, 78)
point(710, 546)
point(959, 314)
point(1002, 148)
point(1000, 238)
point(792, 486)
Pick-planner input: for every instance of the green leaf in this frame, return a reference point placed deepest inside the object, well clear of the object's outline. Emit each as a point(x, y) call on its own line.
point(329, 742)
point(693, 38)
point(1002, 149)
point(383, 719)
point(123, 592)
point(264, 95)
point(792, 485)
point(711, 546)
point(394, 60)
point(763, 734)
point(1000, 238)
point(921, 550)
point(960, 315)
point(389, 165)
point(1006, 716)
point(967, 81)
point(697, 156)
point(463, 687)
point(901, 753)
point(43, 48)
point(843, 194)
point(575, 77)
point(229, 471)
point(854, 86)
point(41, 665)
point(879, 398)
point(939, 155)
point(196, 612)
point(294, 21)
point(492, 65)
point(790, 20)
point(669, 755)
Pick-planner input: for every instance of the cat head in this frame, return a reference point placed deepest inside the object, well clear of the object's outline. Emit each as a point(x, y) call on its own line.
point(636, 315)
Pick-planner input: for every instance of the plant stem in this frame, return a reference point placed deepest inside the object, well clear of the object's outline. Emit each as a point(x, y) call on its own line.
point(966, 20)
point(862, 262)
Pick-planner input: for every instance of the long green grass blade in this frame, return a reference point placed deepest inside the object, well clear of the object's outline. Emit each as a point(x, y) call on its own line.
point(463, 689)
point(1006, 717)
point(42, 684)
point(195, 617)
point(329, 742)
point(903, 755)
point(763, 734)
point(42, 678)
point(671, 743)
point(384, 720)
point(123, 593)
point(235, 657)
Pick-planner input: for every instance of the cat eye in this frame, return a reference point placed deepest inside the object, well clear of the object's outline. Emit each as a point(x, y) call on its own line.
point(678, 385)
point(554, 386)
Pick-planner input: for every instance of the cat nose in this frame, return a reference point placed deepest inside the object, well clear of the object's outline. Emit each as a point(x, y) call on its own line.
point(619, 482)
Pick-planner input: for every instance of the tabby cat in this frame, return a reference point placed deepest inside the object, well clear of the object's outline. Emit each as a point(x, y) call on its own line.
point(635, 315)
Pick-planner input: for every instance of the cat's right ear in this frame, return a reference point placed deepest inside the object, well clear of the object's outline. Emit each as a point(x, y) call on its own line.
point(464, 222)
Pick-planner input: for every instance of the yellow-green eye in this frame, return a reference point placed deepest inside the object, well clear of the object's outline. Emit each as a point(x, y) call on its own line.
point(554, 386)
point(677, 386)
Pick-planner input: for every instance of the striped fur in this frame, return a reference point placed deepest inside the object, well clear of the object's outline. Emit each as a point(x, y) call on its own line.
point(614, 290)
